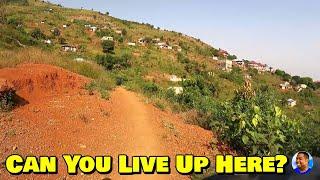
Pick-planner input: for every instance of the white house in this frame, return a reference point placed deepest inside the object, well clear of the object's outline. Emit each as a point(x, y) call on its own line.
point(156, 40)
point(131, 44)
point(285, 85)
point(69, 48)
point(142, 41)
point(118, 32)
point(93, 28)
point(227, 65)
point(87, 26)
point(291, 102)
point(303, 86)
point(107, 38)
point(238, 62)
point(177, 90)
point(300, 87)
point(48, 41)
point(174, 78)
point(215, 58)
point(64, 26)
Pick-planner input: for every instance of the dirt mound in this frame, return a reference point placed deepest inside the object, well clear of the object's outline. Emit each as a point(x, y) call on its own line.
point(35, 81)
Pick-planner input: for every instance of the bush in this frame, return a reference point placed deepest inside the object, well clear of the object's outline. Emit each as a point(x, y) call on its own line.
point(253, 124)
point(111, 62)
point(37, 34)
point(235, 76)
point(7, 100)
point(151, 88)
point(108, 46)
point(56, 32)
point(120, 80)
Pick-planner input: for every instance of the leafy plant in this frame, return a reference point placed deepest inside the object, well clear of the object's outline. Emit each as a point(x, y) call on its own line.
point(253, 123)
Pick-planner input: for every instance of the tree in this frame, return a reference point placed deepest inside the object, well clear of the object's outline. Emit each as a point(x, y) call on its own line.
point(231, 57)
point(108, 46)
point(37, 34)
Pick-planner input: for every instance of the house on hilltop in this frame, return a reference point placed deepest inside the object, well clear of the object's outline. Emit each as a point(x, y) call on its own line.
point(291, 102)
point(258, 66)
point(107, 38)
point(286, 85)
point(69, 48)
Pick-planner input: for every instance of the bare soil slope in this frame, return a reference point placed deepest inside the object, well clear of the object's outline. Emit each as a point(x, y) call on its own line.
point(60, 117)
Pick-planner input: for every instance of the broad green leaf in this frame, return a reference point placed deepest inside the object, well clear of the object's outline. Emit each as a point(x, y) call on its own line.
point(278, 111)
point(245, 139)
point(256, 109)
point(255, 122)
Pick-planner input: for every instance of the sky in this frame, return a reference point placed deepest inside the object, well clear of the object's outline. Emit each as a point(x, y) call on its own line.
point(284, 34)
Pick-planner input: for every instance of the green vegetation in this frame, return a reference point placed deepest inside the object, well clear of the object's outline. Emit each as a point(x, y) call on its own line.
point(7, 100)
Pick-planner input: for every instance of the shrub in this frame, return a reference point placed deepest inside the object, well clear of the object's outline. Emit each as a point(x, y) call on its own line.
point(108, 46)
point(37, 34)
point(151, 88)
point(235, 76)
point(120, 80)
point(111, 62)
point(253, 123)
point(15, 21)
point(56, 32)
point(7, 100)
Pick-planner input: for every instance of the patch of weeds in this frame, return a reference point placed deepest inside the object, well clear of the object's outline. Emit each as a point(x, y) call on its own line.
point(160, 105)
point(84, 118)
point(90, 87)
point(105, 94)
point(11, 133)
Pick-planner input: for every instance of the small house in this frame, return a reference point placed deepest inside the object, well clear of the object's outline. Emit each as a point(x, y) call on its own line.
point(174, 78)
point(48, 41)
point(223, 53)
point(156, 40)
point(69, 48)
point(87, 26)
point(118, 32)
point(238, 62)
point(142, 41)
point(258, 66)
point(291, 102)
point(285, 86)
point(131, 44)
point(64, 26)
point(215, 58)
point(176, 90)
point(300, 87)
point(93, 28)
point(227, 65)
point(107, 38)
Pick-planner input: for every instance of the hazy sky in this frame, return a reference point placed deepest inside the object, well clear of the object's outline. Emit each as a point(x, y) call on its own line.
point(284, 34)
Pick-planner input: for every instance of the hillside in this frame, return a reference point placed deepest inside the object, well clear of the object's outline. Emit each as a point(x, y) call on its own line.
point(246, 108)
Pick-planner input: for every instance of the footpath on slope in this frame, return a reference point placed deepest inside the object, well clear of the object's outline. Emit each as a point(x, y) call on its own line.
point(60, 117)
